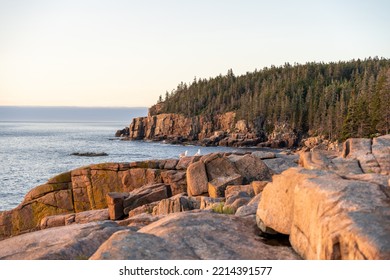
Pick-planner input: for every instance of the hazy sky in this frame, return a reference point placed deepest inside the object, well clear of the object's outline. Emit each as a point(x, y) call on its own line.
point(127, 53)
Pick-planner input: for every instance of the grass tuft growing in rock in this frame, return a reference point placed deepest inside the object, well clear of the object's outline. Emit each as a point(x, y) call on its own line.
point(222, 209)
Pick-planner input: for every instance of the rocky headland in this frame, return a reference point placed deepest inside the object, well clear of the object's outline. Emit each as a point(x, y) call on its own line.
point(327, 204)
point(221, 130)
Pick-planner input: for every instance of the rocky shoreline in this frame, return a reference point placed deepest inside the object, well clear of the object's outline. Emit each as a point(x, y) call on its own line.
point(329, 204)
point(221, 130)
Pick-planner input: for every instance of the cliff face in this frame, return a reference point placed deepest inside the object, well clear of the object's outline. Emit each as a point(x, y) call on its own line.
point(170, 126)
point(223, 130)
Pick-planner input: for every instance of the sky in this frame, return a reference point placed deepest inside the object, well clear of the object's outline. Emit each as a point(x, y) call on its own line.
point(126, 53)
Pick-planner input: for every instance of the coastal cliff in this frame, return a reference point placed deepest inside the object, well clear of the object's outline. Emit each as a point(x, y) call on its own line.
point(221, 130)
point(330, 205)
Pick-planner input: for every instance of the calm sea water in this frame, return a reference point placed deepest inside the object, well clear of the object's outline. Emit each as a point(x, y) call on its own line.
point(31, 153)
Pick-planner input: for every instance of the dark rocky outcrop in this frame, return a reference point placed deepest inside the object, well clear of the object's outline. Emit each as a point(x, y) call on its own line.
point(122, 132)
point(89, 154)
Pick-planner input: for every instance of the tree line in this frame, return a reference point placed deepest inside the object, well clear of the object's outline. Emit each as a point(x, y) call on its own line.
point(336, 100)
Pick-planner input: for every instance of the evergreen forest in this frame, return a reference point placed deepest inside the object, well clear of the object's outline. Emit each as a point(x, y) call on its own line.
point(337, 100)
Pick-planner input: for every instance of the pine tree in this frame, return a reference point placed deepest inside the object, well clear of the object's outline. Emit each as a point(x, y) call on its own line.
point(384, 123)
point(350, 123)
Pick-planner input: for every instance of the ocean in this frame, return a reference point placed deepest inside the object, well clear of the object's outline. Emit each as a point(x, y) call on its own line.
point(32, 152)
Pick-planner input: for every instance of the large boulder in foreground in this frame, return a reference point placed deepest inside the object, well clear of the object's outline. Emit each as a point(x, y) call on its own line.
point(326, 216)
point(74, 242)
point(346, 220)
point(277, 203)
point(192, 235)
point(220, 167)
point(197, 179)
point(176, 179)
point(145, 195)
point(251, 168)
